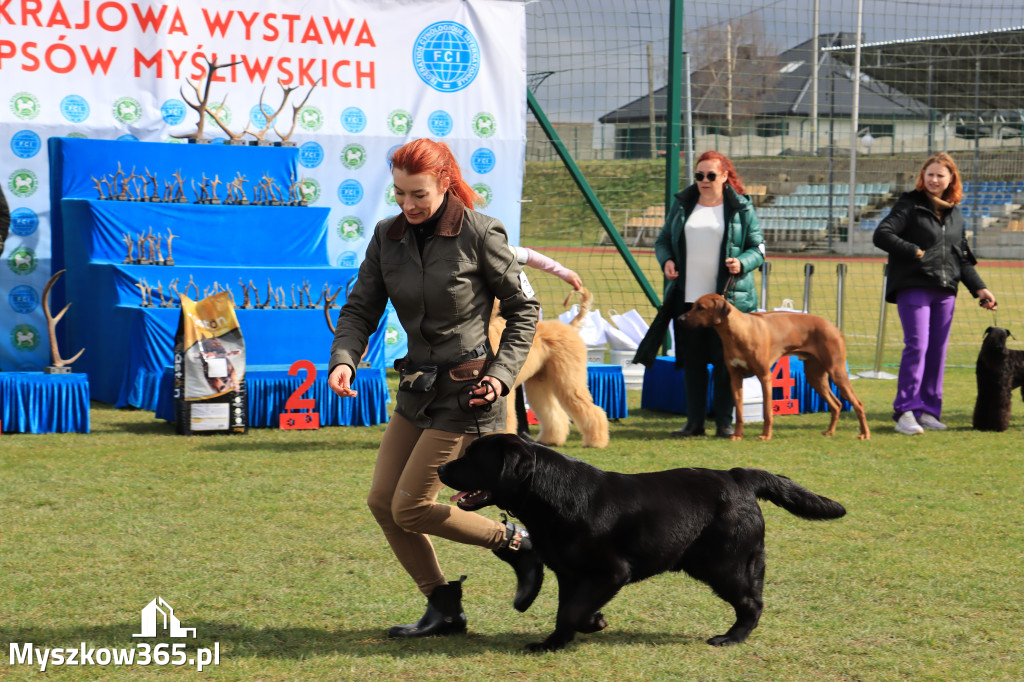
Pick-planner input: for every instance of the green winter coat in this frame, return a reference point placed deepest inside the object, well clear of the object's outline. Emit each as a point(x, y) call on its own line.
point(443, 300)
point(742, 240)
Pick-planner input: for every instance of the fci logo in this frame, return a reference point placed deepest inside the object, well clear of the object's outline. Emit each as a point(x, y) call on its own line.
point(446, 56)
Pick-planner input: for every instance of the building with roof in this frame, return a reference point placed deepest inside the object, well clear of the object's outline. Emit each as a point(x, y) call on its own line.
point(768, 98)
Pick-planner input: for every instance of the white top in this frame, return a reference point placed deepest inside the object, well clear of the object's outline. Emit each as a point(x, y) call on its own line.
point(703, 231)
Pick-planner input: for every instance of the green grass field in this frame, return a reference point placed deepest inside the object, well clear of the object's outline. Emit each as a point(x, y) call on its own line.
point(263, 543)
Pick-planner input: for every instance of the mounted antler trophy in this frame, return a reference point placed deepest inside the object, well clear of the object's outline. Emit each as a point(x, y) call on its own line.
point(296, 108)
point(200, 105)
point(233, 137)
point(262, 133)
point(60, 365)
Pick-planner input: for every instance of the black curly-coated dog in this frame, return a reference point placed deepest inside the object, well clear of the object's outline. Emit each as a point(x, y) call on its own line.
point(999, 371)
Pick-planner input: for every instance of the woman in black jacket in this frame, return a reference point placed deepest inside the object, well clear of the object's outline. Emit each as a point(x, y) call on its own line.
point(928, 257)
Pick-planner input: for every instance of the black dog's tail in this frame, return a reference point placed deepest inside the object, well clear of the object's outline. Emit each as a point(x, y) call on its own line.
point(791, 496)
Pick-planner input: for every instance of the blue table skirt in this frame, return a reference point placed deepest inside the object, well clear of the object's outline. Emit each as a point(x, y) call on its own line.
point(273, 338)
point(34, 402)
point(608, 387)
point(664, 390)
point(270, 386)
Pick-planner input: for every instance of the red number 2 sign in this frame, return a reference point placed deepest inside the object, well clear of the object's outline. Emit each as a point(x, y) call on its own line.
point(301, 420)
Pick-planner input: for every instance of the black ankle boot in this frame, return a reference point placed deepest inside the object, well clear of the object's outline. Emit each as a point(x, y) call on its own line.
point(444, 614)
point(519, 553)
point(690, 429)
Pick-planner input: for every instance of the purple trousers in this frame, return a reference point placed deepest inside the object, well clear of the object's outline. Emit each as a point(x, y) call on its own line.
point(927, 315)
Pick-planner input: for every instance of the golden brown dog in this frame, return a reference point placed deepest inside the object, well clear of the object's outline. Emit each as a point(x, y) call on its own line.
point(752, 342)
point(555, 378)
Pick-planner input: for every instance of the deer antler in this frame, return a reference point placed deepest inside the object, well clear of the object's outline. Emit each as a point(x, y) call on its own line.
point(51, 324)
point(200, 104)
point(259, 135)
point(215, 113)
point(295, 110)
point(329, 300)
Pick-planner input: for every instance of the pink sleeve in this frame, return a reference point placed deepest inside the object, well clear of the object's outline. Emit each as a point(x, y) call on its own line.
point(551, 266)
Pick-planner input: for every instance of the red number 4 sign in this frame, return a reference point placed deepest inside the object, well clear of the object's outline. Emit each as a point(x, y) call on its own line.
point(782, 379)
point(301, 420)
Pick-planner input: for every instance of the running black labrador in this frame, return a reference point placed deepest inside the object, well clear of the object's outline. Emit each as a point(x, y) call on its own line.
point(600, 530)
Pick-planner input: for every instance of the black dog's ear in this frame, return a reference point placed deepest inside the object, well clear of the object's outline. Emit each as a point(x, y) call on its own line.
point(986, 332)
point(518, 462)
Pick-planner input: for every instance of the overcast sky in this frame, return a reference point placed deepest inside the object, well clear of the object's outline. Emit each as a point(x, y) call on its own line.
point(597, 49)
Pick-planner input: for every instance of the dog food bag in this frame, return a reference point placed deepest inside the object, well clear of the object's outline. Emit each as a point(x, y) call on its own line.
point(209, 367)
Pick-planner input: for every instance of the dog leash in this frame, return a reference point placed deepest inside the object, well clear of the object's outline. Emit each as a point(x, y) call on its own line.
point(491, 397)
point(995, 312)
point(729, 284)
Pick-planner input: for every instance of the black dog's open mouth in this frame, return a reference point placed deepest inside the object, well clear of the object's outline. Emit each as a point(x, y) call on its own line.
point(472, 500)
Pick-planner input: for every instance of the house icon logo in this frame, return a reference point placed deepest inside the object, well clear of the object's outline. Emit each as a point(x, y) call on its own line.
point(171, 624)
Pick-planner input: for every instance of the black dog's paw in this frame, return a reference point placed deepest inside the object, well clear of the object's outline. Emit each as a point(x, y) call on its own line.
point(723, 640)
point(552, 643)
point(596, 623)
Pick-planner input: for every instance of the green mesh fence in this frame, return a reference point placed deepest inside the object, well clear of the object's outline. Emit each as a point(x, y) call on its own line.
point(825, 136)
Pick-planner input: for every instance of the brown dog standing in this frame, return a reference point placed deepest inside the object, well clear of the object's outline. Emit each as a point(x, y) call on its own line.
point(555, 376)
point(752, 342)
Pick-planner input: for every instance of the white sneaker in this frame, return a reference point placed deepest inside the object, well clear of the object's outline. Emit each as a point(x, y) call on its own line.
point(907, 425)
point(930, 422)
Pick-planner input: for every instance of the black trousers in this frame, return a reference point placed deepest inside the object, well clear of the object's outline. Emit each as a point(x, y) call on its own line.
point(696, 347)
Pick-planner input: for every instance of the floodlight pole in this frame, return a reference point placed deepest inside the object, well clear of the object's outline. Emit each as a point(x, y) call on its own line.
point(815, 61)
point(688, 94)
point(854, 121)
point(976, 218)
point(673, 101)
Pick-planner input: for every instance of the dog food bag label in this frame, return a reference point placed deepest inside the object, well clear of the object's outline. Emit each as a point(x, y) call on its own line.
point(213, 348)
point(209, 367)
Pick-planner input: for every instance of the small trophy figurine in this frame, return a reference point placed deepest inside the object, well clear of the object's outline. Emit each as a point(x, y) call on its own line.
point(130, 243)
point(170, 237)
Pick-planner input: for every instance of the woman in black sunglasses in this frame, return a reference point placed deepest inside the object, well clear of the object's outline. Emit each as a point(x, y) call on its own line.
point(711, 243)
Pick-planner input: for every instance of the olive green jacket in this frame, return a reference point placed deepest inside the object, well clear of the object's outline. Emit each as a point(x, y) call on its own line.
point(443, 300)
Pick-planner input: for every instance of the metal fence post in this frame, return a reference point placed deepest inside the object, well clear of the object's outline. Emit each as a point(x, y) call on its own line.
point(877, 372)
point(840, 291)
point(766, 269)
point(808, 273)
